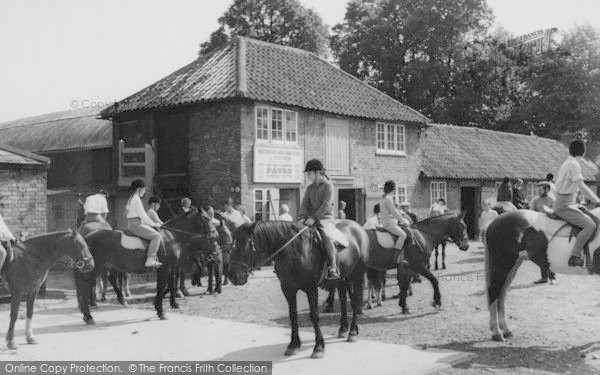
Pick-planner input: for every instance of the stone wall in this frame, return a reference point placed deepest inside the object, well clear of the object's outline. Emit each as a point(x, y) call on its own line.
point(23, 200)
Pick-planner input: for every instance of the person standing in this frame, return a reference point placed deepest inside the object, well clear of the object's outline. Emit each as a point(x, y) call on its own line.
point(504, 196)
point(242, 211)
point(569, 182)
point(285, 213)
point(405, 207)
point(186, 207)
point(391, 219)
point(538, 203)
point(141, 225)
point(518, 199)
point(233, 217)
point(486, 217)
point(95, 208)
point(550, 180)
point(154, 204)
point(342, 211)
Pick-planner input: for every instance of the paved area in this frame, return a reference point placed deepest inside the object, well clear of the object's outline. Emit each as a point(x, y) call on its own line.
point(134, 334)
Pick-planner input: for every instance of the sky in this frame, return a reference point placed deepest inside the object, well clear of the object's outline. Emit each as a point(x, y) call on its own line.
point(64, 54)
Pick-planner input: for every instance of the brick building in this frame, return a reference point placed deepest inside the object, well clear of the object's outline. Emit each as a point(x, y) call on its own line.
point(79, 145)
point(242, 122)
point(23, 190)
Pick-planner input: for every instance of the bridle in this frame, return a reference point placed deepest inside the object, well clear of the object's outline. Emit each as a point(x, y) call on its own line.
point(79, 264)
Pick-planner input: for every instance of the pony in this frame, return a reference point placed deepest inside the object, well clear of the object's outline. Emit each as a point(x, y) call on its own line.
point(426, 234)
point(109, 253)
point(300, 265)
point(512, 238)
point(29, 269)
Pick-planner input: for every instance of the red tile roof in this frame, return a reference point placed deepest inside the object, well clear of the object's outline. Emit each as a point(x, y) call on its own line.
point(458, 152)
point(251, 69)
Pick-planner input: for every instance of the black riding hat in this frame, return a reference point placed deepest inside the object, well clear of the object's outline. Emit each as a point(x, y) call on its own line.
point(314, 165)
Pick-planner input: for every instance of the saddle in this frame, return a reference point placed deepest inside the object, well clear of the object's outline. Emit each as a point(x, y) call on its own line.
point(557, 227)
point(388, 240)
point(132, 242)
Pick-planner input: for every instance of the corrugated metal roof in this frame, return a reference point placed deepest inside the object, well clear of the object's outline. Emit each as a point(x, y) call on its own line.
point(60, 131)
point(248, 68)
point(12, 156)
point(473, 153)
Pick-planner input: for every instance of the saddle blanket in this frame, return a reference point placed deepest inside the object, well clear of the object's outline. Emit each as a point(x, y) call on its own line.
point(133, 242)
point(386, 239)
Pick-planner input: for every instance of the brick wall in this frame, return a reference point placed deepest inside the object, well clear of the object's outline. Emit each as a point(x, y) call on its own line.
point(23, 200)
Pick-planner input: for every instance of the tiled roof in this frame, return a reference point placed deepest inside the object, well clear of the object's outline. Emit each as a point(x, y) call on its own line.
point(79, 129)
point(471, 153)
point(11, 156)
point(252, 69)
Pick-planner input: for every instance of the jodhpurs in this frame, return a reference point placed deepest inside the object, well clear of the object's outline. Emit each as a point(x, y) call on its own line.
point(396, 230)
point(326, 227)
point(141, 230)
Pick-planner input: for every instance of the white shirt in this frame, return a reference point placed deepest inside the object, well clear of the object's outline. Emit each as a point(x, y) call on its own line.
point(5, 233)
point(569, 176)
point(95, 204)
point(372, 222)
point(552, 192)
point(437, 208)
point(234, 217)
point(135, 209)
point(285, 217)
point(154, 216)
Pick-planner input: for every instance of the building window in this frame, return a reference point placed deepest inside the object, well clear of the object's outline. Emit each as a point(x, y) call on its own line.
point(401, 194)
point(438, 191)
point(390, 139)
point(276, 125)
point(260, 198)
point(531, 191)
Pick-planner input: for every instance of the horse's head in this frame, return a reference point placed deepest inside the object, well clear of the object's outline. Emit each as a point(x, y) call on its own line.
point(242, 254)
point(78, 251)
point(457, 230)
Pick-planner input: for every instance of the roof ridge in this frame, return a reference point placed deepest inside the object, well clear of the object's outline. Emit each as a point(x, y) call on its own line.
point(492, 131)
point(241, 88)
point(46, 121)
point(26, 154)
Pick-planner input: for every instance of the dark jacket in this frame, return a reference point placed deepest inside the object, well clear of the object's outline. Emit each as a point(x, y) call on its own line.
point(505, 193)
point(193, 210)
point(518, 198)
point(317, 202)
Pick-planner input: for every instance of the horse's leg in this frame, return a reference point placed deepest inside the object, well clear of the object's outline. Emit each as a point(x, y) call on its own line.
point(342, 293)
point(437, 297)
point(125, 277)
point(28, 330)
point(506, 332)
point(180, 274)
point(494, 326)
point(403, 283)
point(290, 296)
point(383, 286)
point(313, 302)
point(172, 285)
point(211, 270)
point(436, 257)
point(112, 277)
point(219, 273)
point(15, 301)
point(356, 298)
point(330, 301)
point(104, 283)
point(444, 255)
point(161, 286)
point(226, 268)
point(85, 289)
point(370, 292)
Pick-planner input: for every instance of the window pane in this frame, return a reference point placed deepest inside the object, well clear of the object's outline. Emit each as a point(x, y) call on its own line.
point(380, 137)
point(258, 194)
point(400, 141)
point(391, 137)
point(277, 125)
point(291, 126)
point(262, 123)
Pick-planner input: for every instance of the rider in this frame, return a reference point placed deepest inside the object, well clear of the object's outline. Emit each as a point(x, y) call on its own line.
point(391, 219)
point(141, 225)
point(154, 206)
point(568, 183)
point(505, 196)
point(317, 208)
point(6, 238)
point(95, 207)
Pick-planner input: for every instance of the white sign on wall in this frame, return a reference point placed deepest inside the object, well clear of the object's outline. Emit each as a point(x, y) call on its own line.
point(278, 164)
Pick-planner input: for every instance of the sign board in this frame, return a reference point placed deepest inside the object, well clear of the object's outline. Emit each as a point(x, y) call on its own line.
point(278, 164)
point(534, 43)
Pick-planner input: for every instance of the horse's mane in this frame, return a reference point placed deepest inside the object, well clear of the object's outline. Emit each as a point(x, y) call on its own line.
point(49, 234)
point(273, 234)
point(433, 219)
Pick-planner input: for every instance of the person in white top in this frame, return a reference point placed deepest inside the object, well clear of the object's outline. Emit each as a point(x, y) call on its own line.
point(6, 253)
point(552, 192)
point(140, 224)
point(242, 211)
point(154, 203)
point(373, 221)
point(95, 207)
point(233, 217)
point(568, 184)
point(285, 213)
point(438, 208)
point(391, 219)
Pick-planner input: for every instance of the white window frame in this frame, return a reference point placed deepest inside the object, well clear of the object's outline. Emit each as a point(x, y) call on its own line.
point(534, 191)
point(263, 204)
point(401, 190)
point(438, 184)
point(286, 127)
point(400, 131)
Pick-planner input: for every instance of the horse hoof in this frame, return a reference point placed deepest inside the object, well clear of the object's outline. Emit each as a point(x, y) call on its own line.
point(317, 354)
point(405, 312)
point(174, 305)
point(508, 335)
point(498, 338)
point(12, 345)
point(185, 293)
point(360, 312)
point(383, 298)
point(379, 304)
point(443, 266)
point(124, 303)
point(369, 307)
point(163, 317)
point(352, 338)
point(103, 299)
point(179, 294)
point(328, 310)
point(290, 351)
point(32, 341)
point(90, 321)
point(93, 304)
point(342, 334)
point(437, 306)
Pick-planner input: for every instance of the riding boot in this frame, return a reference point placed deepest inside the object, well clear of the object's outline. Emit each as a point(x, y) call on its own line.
point(330, 251)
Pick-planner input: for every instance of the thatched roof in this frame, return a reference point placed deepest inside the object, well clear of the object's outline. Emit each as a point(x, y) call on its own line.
point(458, 152)
point(80, 129)
point(251, 69)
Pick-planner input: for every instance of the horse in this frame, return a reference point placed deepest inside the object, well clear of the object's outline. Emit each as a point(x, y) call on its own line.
point(107, 248)
point(512, 238)
point(426, 233)
point(300, 265)
point(29, 269)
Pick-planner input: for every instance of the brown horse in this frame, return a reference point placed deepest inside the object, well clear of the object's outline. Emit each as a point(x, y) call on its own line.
point(300, 266)
point(29, 268)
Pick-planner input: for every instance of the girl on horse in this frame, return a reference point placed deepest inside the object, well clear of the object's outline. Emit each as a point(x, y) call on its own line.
point(317, 209)
point(391, 219)
point(141, 225)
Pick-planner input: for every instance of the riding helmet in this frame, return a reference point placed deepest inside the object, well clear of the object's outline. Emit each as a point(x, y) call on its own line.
point(314, 165)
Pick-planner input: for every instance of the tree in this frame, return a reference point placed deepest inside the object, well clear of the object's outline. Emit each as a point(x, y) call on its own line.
point(284, 22)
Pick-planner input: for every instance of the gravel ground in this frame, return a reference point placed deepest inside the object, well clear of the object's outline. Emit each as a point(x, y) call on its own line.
point(556, 326)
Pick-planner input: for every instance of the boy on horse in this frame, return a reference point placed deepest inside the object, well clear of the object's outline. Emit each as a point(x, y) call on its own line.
point(95, 207)
point(568, 184)
point(317, 209)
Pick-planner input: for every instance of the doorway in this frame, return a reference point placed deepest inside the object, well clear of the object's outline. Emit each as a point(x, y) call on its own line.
point(291, 197)
point(469, 202)
point(355, 204)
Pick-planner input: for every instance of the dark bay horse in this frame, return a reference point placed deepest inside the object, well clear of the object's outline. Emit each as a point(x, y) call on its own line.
point(513, 237)
point(108, 253)
point(29, 268)
point(300, 266)
point(427, 233)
